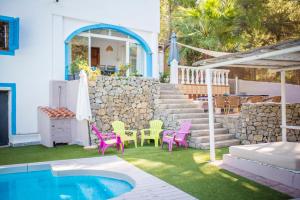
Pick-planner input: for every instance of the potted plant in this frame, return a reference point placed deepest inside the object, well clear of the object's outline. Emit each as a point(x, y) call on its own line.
point(92, 72)
point(75, 68)
point(122, 70)
point(135, 74)
point(164, 77)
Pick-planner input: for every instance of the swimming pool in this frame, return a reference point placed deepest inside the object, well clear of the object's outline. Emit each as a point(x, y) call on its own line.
point(38, 185)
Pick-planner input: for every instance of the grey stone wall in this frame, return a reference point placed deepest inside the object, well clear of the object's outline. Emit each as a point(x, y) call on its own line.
point(231, 122)
point(169, 122)
point(131, 100)
point(261, 122)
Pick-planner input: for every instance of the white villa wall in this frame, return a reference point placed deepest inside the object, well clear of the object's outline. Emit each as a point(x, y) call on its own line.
point(272, 89)
point(44, 25)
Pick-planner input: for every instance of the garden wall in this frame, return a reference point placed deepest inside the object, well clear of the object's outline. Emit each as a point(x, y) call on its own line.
point(261, 122)
point(131, 100)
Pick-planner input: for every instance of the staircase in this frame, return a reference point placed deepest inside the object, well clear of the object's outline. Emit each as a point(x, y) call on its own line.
point(181, 108)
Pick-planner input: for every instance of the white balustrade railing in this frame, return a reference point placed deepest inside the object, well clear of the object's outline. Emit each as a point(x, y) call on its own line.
point(196, 75)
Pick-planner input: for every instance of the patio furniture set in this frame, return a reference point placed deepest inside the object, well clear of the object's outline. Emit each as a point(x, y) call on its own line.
point(120, 135)
point(233, 103)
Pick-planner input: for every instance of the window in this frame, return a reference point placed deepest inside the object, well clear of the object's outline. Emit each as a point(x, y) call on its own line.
point(9, 35)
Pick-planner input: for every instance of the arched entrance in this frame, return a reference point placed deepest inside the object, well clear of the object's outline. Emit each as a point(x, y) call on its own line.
point(122, 30)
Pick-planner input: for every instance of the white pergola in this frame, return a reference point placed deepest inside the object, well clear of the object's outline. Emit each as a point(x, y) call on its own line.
point(280, 57)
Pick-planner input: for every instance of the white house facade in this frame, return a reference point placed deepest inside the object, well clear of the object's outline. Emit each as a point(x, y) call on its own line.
point(110, 33)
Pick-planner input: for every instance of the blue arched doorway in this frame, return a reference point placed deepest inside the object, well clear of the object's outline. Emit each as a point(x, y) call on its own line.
point(120, 29)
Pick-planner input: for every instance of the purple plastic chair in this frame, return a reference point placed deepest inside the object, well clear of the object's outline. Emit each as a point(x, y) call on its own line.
point(179, 137)
point(107, 140)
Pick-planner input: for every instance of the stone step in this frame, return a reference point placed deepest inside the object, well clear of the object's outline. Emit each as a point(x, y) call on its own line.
point(218, 144)
point(172, 91)
point(205, 132)
point(174, 101)
point(166, 86)
point(205, 126)
point(174, 96)
point(184, 110)
point(205, 139)
point(196, 121)
point(190, 115)
point(178, 106)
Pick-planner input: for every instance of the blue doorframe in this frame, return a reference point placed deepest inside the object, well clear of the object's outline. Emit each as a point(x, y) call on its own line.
point(120, 29)
point(13, 117)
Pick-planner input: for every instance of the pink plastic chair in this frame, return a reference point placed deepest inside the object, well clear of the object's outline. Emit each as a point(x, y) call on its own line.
point(107, 140)
point(179, 137)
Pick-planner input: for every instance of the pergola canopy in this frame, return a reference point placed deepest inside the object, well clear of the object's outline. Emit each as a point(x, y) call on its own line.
point(281, 56)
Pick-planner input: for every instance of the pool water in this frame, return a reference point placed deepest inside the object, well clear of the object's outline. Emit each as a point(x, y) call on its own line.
point(42, 185)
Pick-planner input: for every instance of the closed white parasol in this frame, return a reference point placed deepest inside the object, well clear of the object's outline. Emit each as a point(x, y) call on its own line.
point(83, 108)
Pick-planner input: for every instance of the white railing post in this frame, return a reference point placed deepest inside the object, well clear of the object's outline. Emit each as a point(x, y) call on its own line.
point(187, 76)
point(201, 75)
point(222, 78)
point(193, 76)
point(197, 76)
point(182, 76)
point(215, 77)
point(174, 72)
point(227, 83)
point(218, 77)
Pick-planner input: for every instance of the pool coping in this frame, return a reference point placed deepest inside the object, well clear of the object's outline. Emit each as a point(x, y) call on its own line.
point(146, 186)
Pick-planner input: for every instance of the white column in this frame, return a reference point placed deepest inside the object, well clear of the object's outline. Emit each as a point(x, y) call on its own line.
point(90, 50)
point(236, 85)
point(174, 72)
point(211, 115)
point(127, 53)
point(283, 106)
point(58, 49)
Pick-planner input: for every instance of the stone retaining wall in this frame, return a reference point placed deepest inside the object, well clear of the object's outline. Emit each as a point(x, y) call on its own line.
point(261, 122)
point(131, 100)
point(231, 122)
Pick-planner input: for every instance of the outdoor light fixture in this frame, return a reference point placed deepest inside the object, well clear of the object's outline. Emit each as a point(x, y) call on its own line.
point(109, 48)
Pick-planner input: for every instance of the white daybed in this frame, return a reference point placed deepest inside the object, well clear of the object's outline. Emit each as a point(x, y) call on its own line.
point(278, 161)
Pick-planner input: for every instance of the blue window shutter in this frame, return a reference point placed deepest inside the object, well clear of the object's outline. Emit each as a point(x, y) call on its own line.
point(14, 34)
point(13, 41)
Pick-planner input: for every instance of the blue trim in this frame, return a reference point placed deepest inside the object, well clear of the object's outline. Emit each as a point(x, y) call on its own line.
point(13, 40)
point(66, 61)
point(120, 29)
point(13, 90)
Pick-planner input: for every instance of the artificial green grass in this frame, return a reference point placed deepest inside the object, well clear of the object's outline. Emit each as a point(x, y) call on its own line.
point(185, 169)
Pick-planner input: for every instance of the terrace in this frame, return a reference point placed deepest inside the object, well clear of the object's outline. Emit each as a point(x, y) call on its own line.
point(195, 171)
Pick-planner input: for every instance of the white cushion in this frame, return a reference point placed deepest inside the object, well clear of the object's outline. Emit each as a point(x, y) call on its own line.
point(281, 154)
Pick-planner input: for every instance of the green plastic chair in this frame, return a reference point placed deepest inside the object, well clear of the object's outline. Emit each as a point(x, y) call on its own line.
point(153, 132)
point(125, 135)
